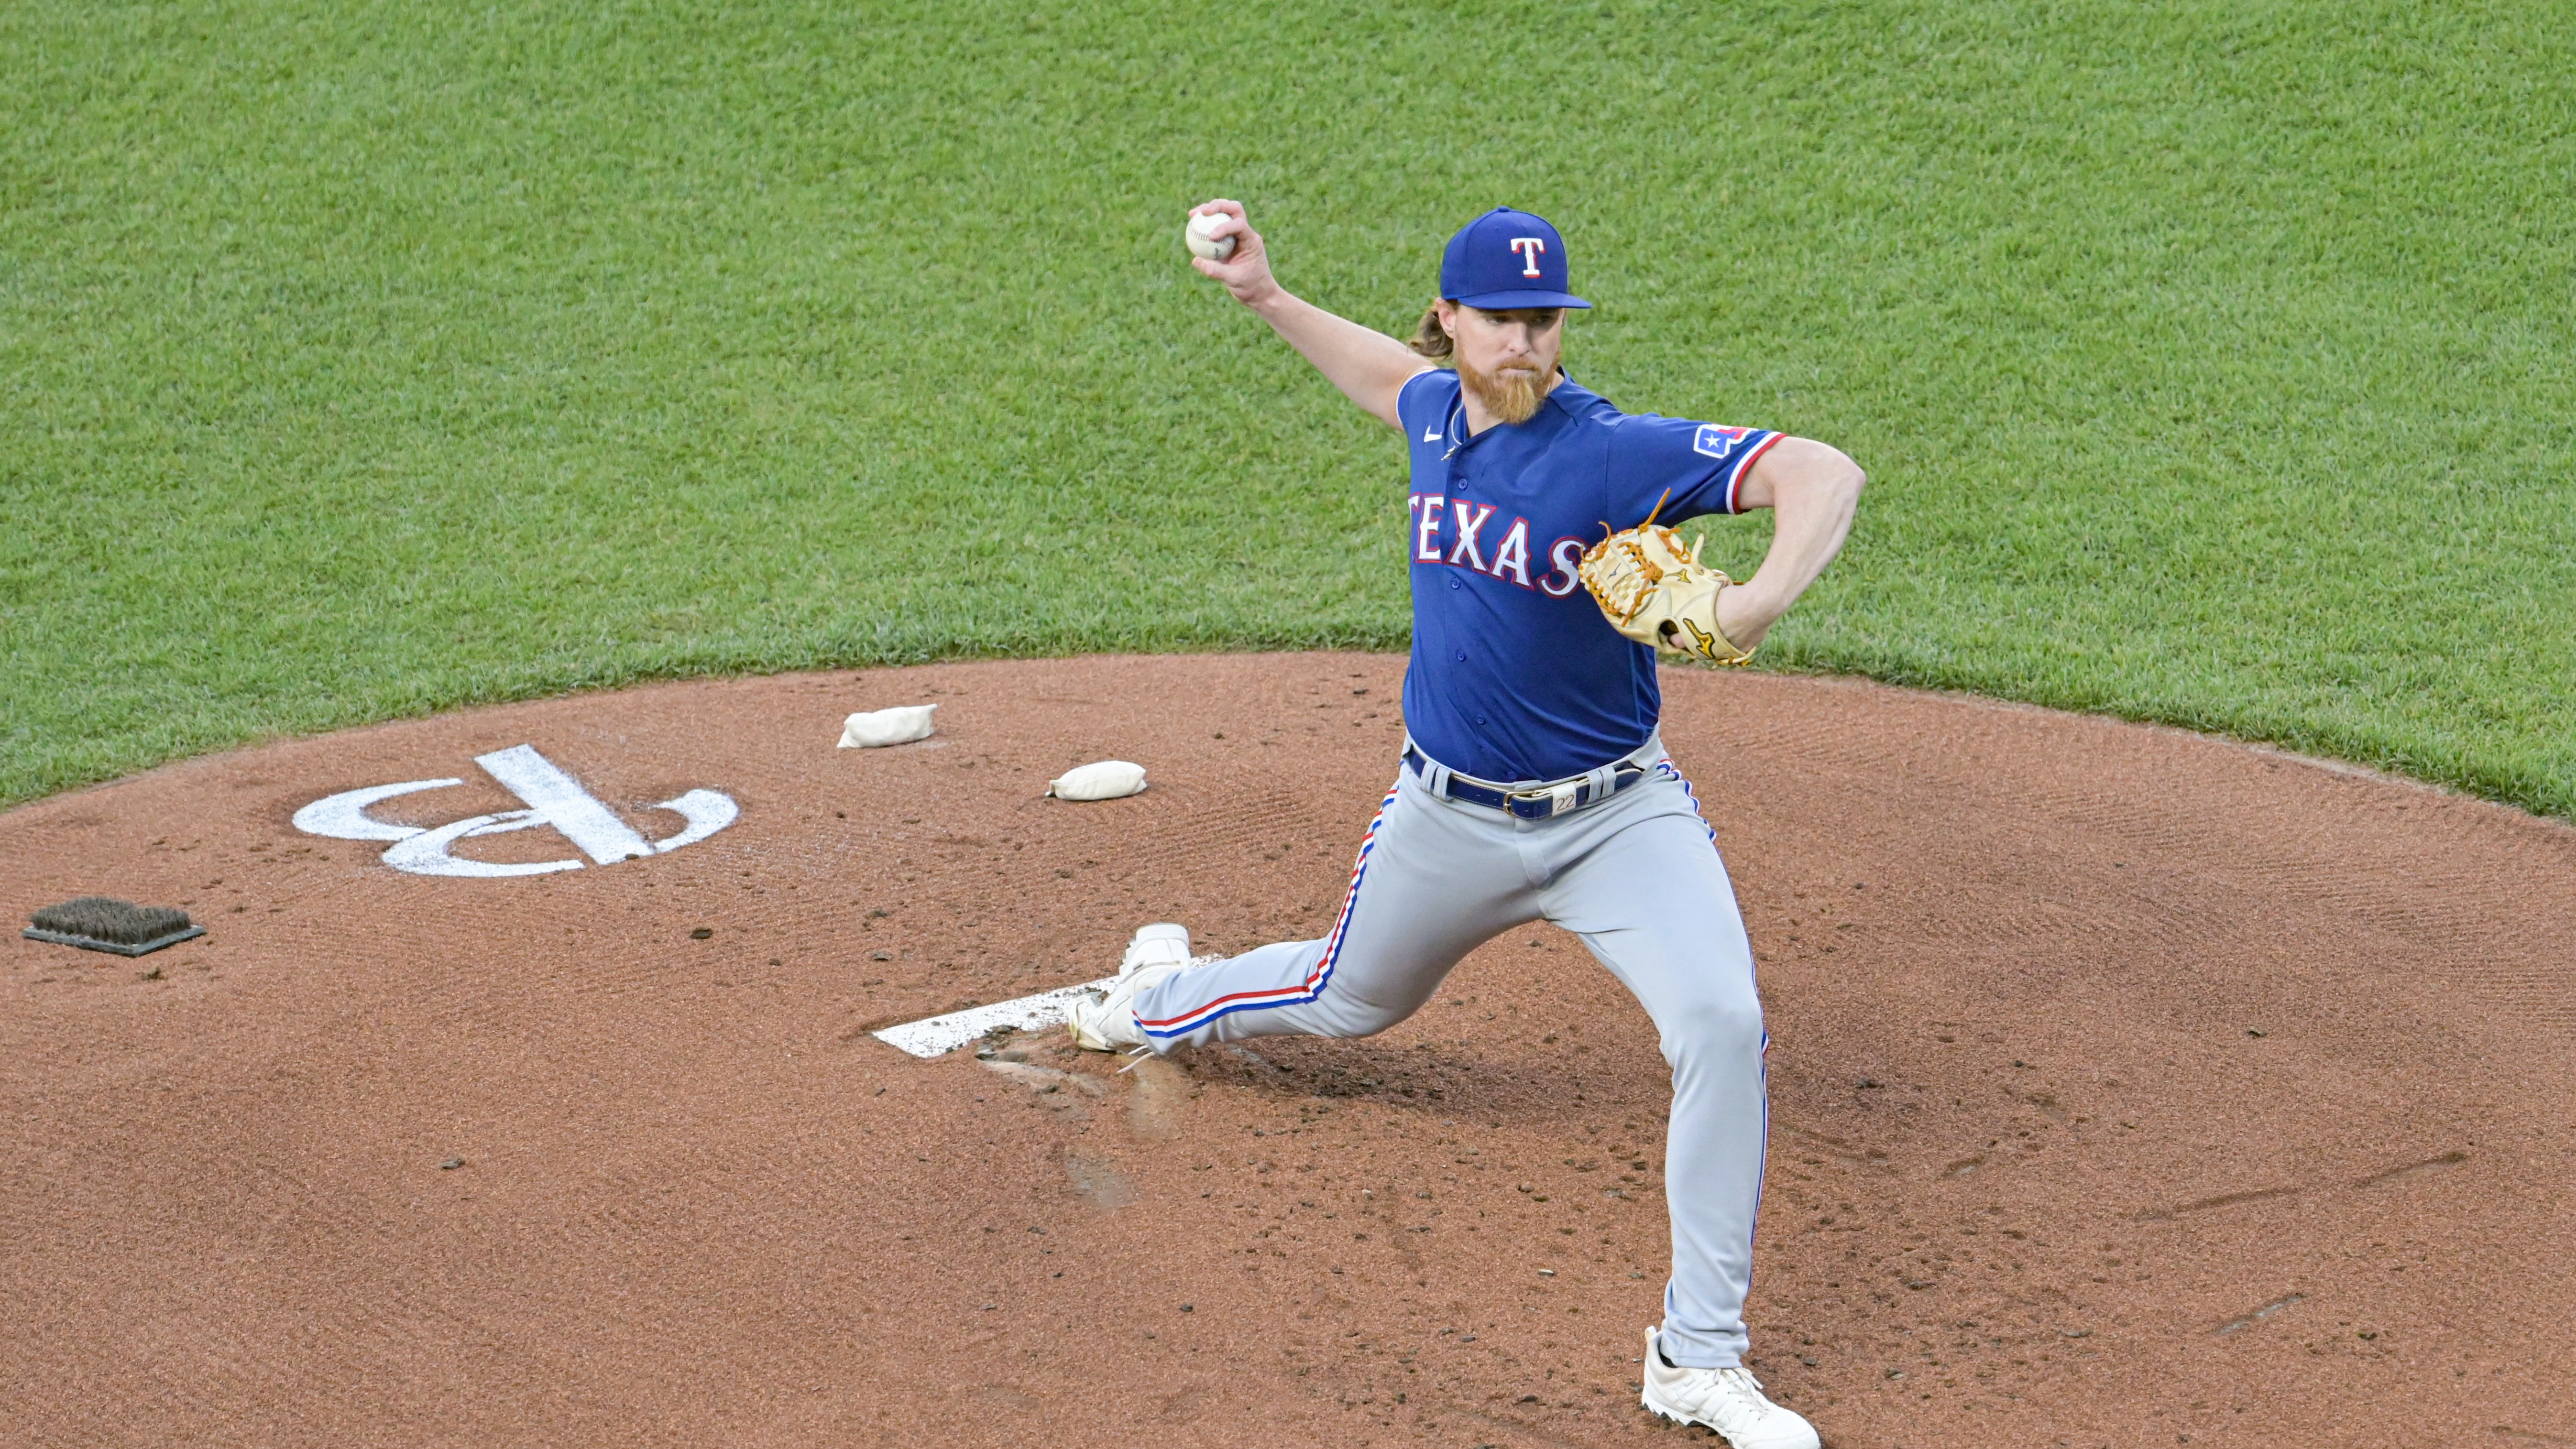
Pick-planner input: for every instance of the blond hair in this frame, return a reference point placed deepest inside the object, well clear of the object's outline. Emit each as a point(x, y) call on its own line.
point(1428, 338)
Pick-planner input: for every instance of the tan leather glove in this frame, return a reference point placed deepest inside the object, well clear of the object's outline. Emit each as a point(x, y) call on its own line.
point(1654, 589)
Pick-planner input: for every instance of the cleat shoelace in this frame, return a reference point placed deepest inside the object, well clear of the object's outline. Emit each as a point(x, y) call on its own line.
point(1734, 1397)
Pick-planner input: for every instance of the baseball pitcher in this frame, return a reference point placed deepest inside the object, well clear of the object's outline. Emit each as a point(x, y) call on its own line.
point(1533, 785)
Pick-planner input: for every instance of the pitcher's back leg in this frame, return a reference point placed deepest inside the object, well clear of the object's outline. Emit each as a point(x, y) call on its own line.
point(1431, 882)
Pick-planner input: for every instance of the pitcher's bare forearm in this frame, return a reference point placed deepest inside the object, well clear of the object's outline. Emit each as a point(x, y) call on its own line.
point(1813, 489)
point(1369, 367)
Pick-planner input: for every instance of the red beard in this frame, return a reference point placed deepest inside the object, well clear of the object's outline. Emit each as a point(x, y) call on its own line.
point(1511, 394)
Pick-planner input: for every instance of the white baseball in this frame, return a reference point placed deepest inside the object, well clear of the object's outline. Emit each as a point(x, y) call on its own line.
point(1202, 241)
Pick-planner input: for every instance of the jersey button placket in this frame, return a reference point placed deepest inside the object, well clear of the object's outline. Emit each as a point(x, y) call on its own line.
point(1458, 472)
point(1458, 481)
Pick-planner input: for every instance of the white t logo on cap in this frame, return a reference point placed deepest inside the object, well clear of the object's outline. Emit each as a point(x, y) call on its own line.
point(1529, 247)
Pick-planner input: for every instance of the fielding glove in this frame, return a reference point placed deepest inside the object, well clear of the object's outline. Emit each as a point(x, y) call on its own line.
point(1653, 588)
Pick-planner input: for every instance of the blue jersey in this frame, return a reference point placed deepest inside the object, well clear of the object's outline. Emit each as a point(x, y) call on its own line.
point(1515, 674)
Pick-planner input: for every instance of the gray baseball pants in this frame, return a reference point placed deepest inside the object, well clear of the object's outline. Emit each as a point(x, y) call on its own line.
point(1637, 876)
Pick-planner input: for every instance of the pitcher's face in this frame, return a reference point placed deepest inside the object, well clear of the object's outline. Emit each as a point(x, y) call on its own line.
point(1507, 360)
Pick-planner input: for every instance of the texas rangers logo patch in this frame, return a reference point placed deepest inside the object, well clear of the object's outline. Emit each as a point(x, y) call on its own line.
point(1717, 442)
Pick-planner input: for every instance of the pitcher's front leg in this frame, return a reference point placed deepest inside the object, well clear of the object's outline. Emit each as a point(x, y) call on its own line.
point(1682, 949)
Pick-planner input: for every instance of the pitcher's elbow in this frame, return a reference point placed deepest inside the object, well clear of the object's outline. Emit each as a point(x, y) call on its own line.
point(1845, 482)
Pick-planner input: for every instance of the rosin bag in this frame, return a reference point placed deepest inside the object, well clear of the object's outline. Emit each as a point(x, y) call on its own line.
point(1103, 780)
point(898, 726)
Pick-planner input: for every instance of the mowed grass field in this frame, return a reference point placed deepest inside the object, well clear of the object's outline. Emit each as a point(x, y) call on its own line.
point(2211, 362)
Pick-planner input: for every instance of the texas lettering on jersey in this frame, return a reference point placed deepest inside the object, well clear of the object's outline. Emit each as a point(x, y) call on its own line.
point(1515, 675)
point(1454, 531)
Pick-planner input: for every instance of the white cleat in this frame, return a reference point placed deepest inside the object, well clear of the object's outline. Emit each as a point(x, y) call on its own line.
point(1109, 1024)
point(1162, 944)
point(1728, 1400)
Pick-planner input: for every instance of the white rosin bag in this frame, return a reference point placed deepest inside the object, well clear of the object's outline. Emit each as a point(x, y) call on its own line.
point(1101, 780)
point(900, 725)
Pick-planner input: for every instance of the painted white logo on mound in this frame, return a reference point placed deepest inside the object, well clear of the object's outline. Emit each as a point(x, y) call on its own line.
point(553, 798)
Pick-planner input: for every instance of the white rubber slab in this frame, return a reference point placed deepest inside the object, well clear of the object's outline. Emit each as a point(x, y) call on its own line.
point(935, 1035)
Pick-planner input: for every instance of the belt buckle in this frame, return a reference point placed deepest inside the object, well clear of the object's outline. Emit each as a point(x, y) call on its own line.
point(1560, 798)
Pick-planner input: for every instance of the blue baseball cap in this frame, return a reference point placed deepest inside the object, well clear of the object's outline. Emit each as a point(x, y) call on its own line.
point(1506, 259)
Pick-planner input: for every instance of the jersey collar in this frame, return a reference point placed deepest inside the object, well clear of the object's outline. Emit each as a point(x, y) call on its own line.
point(1454, 427)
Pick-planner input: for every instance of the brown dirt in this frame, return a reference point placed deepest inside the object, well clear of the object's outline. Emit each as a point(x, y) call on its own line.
point(2129, 1088)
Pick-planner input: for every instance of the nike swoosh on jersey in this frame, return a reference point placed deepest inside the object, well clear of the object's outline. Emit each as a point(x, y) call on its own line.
point(1431, 435)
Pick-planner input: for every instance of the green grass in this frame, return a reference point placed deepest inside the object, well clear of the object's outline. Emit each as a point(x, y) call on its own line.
point(2210, 362)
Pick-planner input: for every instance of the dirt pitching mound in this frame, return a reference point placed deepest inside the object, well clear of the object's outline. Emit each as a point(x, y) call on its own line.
point(2128, 1088)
